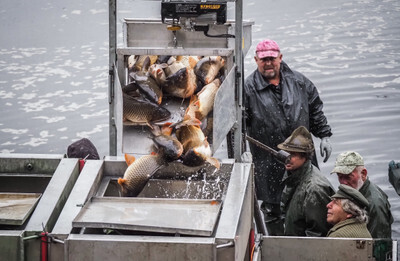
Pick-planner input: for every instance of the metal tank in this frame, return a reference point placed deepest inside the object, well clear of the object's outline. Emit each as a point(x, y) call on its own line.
point(183, 213)
point(33, 190)
point(330, 249)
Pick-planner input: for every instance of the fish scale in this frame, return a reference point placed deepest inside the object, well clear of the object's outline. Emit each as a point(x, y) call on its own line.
point(139, 172)
point(142, 111)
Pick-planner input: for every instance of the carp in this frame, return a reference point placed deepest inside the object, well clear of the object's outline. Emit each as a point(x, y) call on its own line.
point(173, 66)
point(196, 149)
point(205, 99)
point(146, 84)
point(138, 110)
point(138, 173)
point(188, 61)
point(167, 145)
point(157, 72)
point(208, 68)
point(135, 62)
point(181, 84)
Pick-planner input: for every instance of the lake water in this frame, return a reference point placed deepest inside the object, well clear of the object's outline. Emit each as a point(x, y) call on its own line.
point(54, 67)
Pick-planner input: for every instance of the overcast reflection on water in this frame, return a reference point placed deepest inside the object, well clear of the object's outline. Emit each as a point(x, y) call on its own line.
point(54, 64)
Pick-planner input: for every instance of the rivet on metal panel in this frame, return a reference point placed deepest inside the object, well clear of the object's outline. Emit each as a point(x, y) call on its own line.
point(360, 244)
point(29, 166)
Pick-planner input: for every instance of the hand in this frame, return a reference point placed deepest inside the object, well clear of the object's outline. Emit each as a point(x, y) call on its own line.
point(394, 175)
point(393, 165)
point(325, 148)
point(247, 157)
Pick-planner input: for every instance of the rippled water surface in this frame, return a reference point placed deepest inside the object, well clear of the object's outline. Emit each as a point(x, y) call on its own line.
point(54, 66)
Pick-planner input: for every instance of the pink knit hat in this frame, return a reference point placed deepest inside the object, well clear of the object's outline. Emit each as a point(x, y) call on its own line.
point(267, 48)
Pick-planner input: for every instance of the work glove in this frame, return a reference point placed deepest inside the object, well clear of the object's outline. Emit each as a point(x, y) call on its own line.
point(394, 175)
point(325, 148)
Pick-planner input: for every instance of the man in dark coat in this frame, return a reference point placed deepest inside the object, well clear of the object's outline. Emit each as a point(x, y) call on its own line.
point(350, 169)
point(277, 101)
point(347, 212)
point(306, 192)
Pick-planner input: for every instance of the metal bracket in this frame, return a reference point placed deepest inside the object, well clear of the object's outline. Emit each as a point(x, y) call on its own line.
point(229, 244)
point(360, 244)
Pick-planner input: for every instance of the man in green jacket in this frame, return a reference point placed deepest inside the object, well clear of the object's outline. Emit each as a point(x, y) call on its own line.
point(347, 212)
point(350, 169)
point(306, 192)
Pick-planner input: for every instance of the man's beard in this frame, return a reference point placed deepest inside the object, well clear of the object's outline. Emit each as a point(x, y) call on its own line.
point(269, 75)
point(360, 183)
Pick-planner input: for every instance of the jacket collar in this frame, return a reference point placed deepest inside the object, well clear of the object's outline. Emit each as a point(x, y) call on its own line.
point(293, 178)
point(343, 223)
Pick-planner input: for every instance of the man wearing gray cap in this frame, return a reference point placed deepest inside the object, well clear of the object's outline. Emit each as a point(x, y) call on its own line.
point(347, 212)
point(306, 190)
point(350, 169)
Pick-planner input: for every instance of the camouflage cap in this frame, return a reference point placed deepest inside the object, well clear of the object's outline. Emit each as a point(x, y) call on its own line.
point(299, 141)
point(347, 161)
point(351, 194)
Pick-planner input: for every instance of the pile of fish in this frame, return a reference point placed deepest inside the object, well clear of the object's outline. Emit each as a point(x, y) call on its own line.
point(183, 77)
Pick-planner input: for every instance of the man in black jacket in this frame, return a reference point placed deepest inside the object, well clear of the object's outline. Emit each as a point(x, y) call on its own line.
point(277, 101)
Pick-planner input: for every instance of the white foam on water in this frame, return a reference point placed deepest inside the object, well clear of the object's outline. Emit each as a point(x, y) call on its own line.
point(50, 119)
point(95, 114)
point(39, 105)
point(14, 131)
point(98, 128)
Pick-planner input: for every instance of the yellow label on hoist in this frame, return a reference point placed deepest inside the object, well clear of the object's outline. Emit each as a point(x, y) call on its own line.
point(210, 7)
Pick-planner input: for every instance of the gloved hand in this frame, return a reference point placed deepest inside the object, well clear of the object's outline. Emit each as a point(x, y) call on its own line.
point(394, 175)
point(393, 165)
point(325, 148)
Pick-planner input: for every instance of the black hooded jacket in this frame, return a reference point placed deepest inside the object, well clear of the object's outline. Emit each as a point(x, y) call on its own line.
point(272, 115)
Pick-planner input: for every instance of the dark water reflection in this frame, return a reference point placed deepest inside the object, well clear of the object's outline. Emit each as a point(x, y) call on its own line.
point(54, 63)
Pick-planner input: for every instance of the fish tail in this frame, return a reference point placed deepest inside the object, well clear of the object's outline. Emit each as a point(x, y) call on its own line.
point(129, 159)
point(213, 161)
point(122, 181)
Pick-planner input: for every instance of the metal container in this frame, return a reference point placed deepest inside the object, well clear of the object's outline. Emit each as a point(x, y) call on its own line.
point(139, 35)
point(33, 190)
point(211, 221)
point(330, 249)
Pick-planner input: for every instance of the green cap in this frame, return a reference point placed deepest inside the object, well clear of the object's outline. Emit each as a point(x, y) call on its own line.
point(347, 161)
point(352, 194)
point(299, 141)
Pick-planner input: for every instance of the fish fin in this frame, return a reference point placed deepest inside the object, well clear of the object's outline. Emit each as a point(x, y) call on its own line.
point(121, 181)
point(213, 161)
point(166, 129)
point(193, 98)
point(155, 130)
point(153, 153)
point(129, 159)
point(188, 120)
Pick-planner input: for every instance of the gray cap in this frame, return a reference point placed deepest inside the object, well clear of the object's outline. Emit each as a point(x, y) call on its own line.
point(352, 194)
point(347, 161)
point(299, 141)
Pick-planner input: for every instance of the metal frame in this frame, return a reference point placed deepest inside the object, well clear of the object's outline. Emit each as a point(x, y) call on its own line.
point(238, 75)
